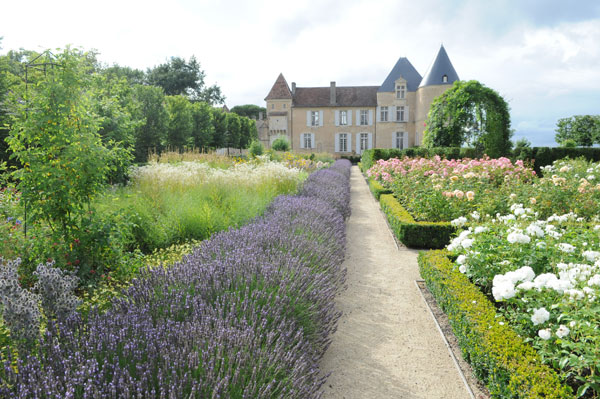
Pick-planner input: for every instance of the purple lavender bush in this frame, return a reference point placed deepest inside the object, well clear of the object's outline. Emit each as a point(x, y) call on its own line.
point(248, 314)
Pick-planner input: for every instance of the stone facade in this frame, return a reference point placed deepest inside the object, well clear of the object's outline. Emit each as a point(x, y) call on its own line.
point(347, 120)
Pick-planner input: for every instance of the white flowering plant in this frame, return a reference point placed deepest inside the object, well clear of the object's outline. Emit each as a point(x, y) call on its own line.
point(544, 275)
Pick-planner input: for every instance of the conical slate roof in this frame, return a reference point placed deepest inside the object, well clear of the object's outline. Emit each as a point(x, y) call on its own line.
point(280, 90)
point(404, 69)
point(441, 66)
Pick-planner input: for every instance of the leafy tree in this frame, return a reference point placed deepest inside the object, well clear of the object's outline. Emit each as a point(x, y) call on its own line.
point(233, 132)
point(280, 144)
point(133, 76)
point(469, 113)
point(245, 137)
point(178, 77)
point(219, 118)
point(202, 133)
point(181, 122)
point(150, 135)
point(256, 148)
point(249, 110)
point(55, 139)
point(584, 130)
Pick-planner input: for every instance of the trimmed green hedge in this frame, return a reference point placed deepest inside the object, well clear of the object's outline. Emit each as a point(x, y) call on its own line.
point(499, 357)
point(411, 233)
point(377, 189)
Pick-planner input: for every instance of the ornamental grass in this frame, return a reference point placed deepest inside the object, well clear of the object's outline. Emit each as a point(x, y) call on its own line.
point(247, 314)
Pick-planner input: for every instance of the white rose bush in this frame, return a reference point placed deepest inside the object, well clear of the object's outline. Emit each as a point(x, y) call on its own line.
point(544, 276)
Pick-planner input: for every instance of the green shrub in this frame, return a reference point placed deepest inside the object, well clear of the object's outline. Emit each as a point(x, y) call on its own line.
point(280, 144)
point(256, 148)
point(509, 367)
point(411, 233)
point(543, 156)
point(377, 189)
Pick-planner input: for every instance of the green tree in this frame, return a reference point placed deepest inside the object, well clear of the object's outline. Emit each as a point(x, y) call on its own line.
point(150, 134)
point(55, 139)
point(249, 110)
point(219, 118)
point(469, 113)
point(133, 76)
point(280, 144)
point(233, 132)
point(181, 122)
point(178, 77)
point(202, 133)
point(584, 130)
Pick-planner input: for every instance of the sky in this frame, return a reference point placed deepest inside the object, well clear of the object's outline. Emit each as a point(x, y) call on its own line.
point(542, 56)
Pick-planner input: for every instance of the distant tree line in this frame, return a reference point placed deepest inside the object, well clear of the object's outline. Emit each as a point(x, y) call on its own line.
point(578, 130)
point(168, 106)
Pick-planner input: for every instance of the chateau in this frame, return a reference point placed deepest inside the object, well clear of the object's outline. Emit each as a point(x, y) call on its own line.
point(343, 120)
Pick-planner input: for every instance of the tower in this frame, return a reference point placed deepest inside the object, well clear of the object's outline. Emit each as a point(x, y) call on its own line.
point(279, 110)
point(439, 77)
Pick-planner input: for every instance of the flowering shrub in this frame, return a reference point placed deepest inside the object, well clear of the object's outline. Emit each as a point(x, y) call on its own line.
point(440, 190)
point(247, 314)
point(545, 276)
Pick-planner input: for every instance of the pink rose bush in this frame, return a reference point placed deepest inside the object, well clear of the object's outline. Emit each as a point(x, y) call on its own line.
point(438, 189)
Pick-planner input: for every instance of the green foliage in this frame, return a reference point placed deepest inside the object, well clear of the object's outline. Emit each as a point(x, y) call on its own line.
point(583, 130)
point(233, 132)
point(568, 143)
point(249, 110)
point(472, 113)
point(377, 189)
point(150, 135)
point(543, 156)
point(203, 131)
point(280, 144)
point(219, 118)
point(509, 367)
point(411, 233)
point(181, 122)
point(178, 77)
point(256, 149)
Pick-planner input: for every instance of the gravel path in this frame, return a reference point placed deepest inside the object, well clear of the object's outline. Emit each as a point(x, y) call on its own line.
point(387, 344)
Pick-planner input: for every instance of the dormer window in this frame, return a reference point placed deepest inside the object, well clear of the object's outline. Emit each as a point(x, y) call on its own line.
point(400, 91)
point(445, 79)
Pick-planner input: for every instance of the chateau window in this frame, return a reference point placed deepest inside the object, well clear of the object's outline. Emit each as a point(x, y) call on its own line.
point(284, 106)
point(272, 106)
point(314, 118)
point(343, 117)
point(364, 117)
point(399, 140)
point(364, 142)
point(343, 142)
point(445, 79)
point(400, 114)
point(384, 114)
point(307, 140)
point(400, 91)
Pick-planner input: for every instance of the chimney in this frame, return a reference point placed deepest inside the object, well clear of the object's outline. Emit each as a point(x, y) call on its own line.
point(260, 115)
point(293, 88)
point(332, 94)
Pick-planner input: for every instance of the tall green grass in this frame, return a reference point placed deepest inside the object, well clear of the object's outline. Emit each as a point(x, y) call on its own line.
point(160, 215)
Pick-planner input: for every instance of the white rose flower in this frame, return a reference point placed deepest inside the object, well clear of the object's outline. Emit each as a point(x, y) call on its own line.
point(591, 256)
point(540, 316)
point(459, 221)
point(545, 334)
point(518, 237)
point(480, 229)
point(462, 269)
point(467, 243)
point(461, 259)
point(568, 248)
point(562, 331)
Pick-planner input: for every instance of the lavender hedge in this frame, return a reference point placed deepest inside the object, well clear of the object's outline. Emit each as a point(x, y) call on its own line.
point(247, 315)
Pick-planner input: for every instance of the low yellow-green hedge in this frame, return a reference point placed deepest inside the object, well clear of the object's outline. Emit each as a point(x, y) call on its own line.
point(411, 233)
point(377, 189)
point(509, 367)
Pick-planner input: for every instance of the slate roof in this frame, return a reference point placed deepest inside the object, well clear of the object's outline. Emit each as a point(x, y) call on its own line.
point(280, 90)
point(441, 66)
point(405, 69)
point(346, 96)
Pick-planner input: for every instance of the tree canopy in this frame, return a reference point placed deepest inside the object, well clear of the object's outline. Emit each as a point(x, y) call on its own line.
point(584, 130)
point(469, 113)
point(249, 110)
point(178, 77)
